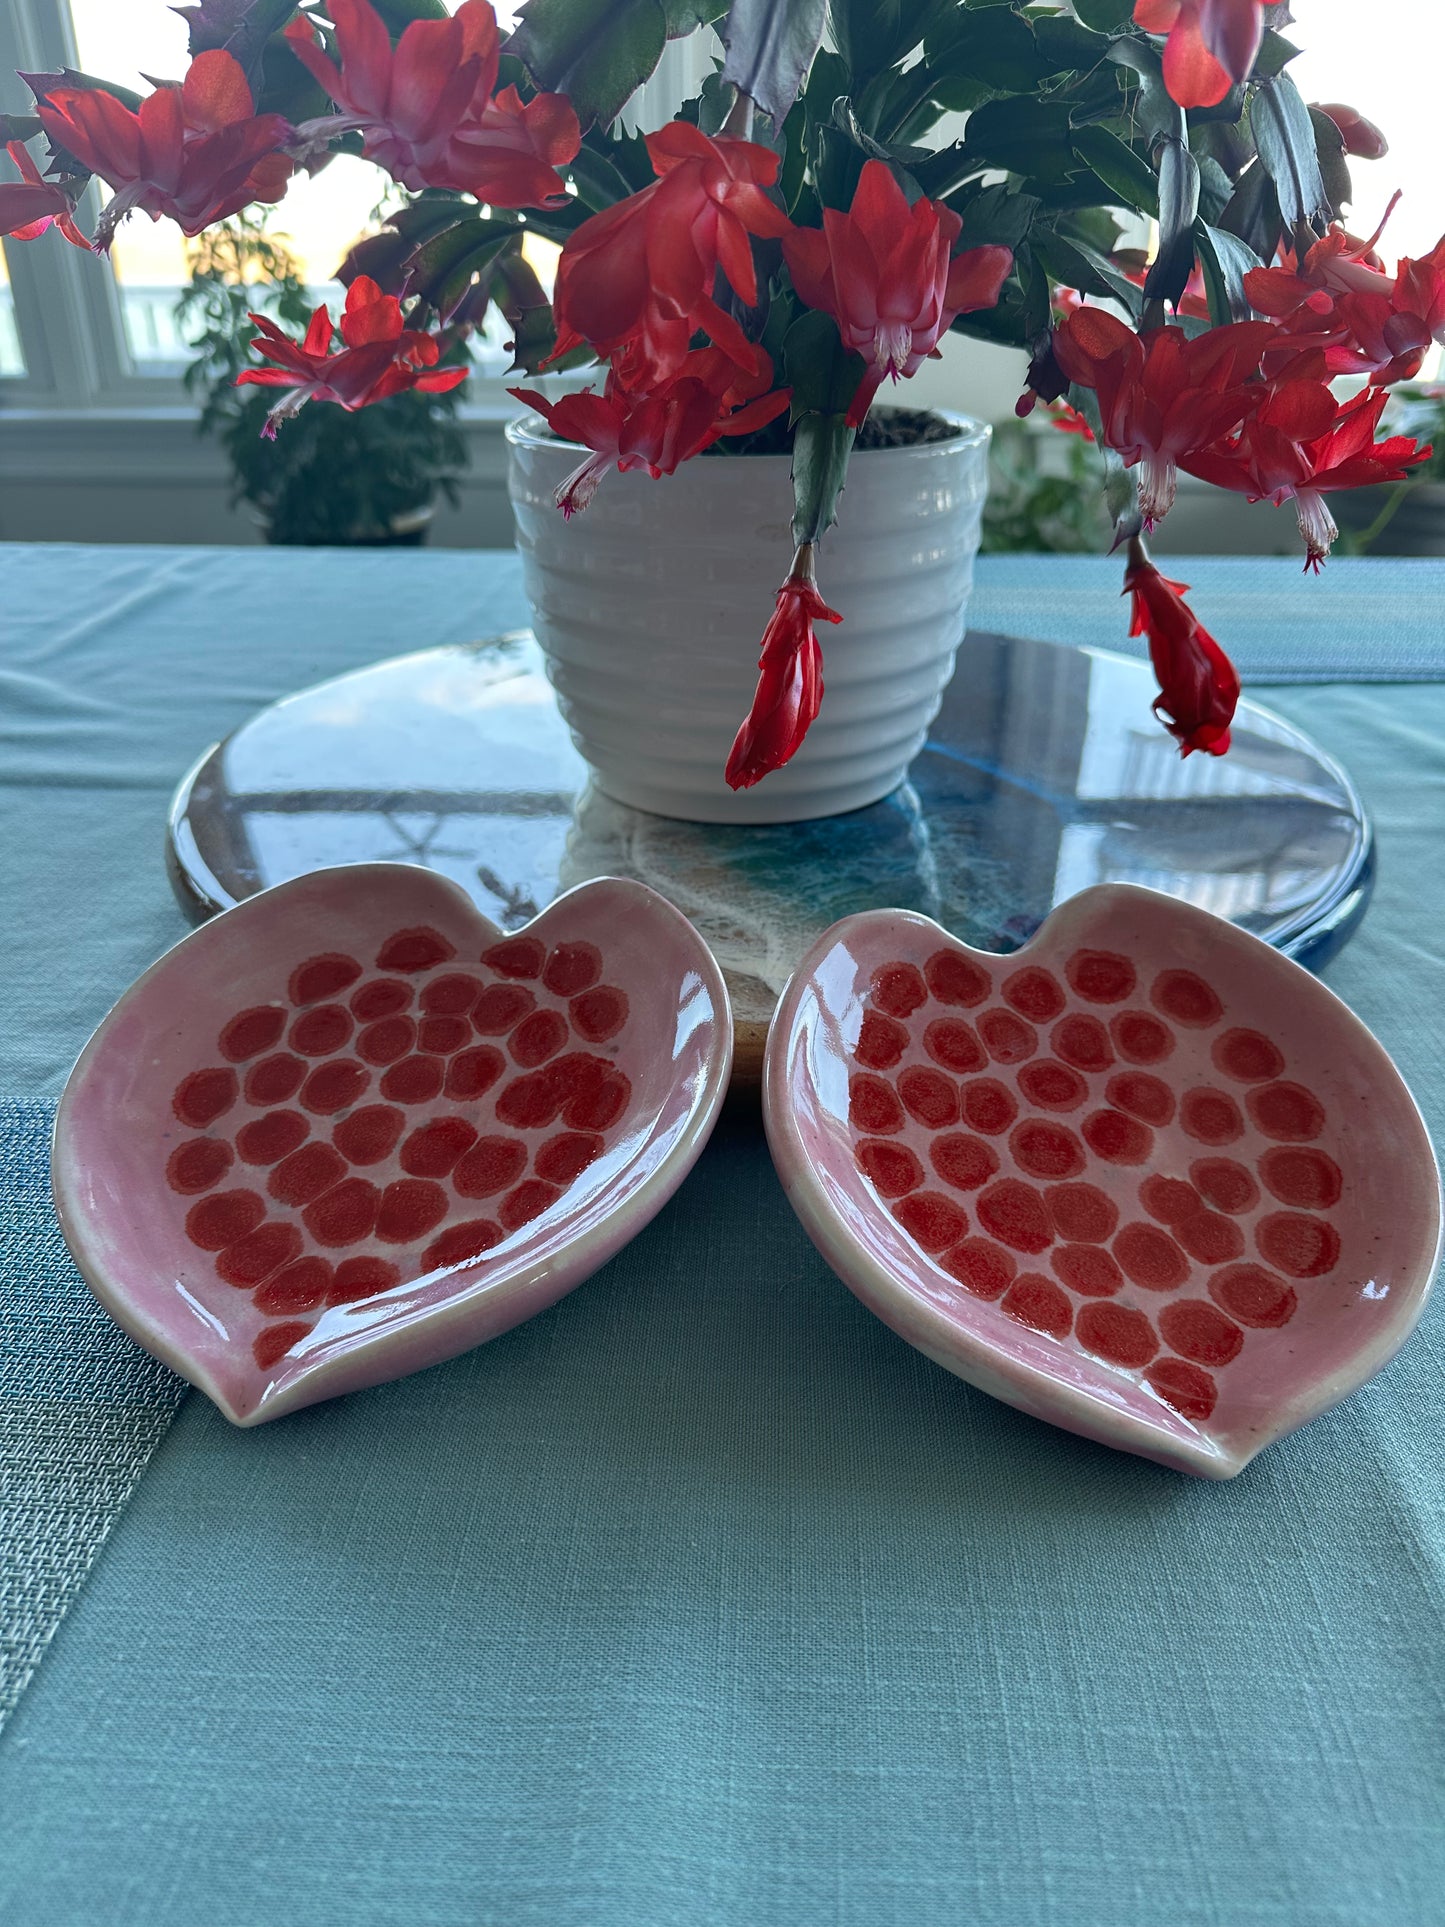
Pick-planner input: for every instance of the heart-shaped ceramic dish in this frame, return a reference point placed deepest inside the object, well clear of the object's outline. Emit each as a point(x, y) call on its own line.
point(1145, 1178)
point(349, 1129)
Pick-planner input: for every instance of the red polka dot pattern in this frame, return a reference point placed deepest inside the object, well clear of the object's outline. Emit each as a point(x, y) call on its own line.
point(873, 1105)
point(1186, 998)
point(1210, 1117)
point(962, 1161)
point(1143, 1096)
point(898, 989)
point(989, 1106)
point(953, 1043)
point(1192, 1392)
point(1035, 994)
point(1116, 1333)
point(1083, 1212)
point(1140, 1038)
point(1007, 1038)
point(333, 1087)
point(1100, 977)
point(929, 1096)
point(1038, 1303)
point(414, 950)
point(251, 1032)
point(500, 1008)
point(931, 1220)
point(358, 1278)
point(321, 977)
point(275, 1080)
point(382, 997)
point(472, 1073)
point(386, 1040)
point(1226, 1184)
point(1157, 1167)
point(198, 1164)
point(204, 1096)
point(1052, 1086)
point(268, 1138)
point(1306, 1178)
point(371, 1119)
point(572, 967)
point(953, 979)
point(321, 1030)
point(1081, 1040)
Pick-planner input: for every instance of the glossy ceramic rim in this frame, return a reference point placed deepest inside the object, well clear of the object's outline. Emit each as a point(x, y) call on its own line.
point(604, 1239)
point(530, 431)
point(993, 1368)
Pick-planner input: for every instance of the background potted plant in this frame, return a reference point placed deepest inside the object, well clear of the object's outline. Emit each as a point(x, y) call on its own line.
point(1408, 519)
point(752, 273)
point(363, 478)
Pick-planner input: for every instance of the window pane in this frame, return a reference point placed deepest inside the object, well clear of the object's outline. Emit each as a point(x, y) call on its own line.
point(1369, 71)
point(320, 217)
point(12, 361)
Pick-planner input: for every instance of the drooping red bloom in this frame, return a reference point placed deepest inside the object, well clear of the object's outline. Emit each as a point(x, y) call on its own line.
point(658, 427)
point(790, 685)
point(883, 271)
point(1163, 396)
point(1340, 303)
point(1361, 137)
point(196, 152)
point(1198, 687)
point(32, 204)
point(428, 110)
point(380, 357)
point(1301, 444)
point(1212, 44)
point(643, 271)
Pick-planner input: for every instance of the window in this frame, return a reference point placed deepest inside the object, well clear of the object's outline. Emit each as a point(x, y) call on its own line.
point(83, 333)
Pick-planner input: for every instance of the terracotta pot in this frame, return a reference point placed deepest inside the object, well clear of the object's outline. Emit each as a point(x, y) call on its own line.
point(650, 606)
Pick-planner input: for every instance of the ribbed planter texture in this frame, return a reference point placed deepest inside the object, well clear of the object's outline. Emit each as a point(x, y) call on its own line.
point(650, 606)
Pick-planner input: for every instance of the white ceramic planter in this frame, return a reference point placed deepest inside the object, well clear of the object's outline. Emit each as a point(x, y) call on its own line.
point(651, 604)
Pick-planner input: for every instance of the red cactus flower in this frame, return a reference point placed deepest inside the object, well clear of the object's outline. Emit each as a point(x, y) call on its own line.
point(381, 357)
point(1301, 444)
point(790, 685)
point(1212, 44)
point(643, 271)
point(196, 152)
point(884, 273)
point(657, 428)
point(1163, 396)
point(1198, 687)
point(427, 108)
point(1338, 302)
point(32, 204)
point(1361, 137)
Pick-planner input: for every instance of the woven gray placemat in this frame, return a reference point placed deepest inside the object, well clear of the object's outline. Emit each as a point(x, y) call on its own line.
point(82, 1408)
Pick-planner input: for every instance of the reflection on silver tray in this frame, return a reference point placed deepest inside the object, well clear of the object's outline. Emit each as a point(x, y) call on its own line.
point(1045, 772)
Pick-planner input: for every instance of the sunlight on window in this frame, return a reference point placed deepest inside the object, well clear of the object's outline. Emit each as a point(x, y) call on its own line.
point(12, 359)
point(320, 217)
point(1343, 60)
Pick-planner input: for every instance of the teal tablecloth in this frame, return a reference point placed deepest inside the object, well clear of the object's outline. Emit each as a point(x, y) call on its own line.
point(701, 1599)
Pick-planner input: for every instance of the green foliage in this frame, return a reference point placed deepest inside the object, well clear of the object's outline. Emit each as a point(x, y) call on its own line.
point(770, 47)
point(1044, 495)
point(598, 52)
point(330, 476)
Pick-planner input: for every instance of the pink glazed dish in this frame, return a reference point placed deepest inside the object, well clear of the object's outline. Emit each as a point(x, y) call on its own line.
point(349, 1129)
point(1145, 1178)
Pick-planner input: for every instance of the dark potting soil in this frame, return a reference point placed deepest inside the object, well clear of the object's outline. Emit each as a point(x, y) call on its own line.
point(884, 428)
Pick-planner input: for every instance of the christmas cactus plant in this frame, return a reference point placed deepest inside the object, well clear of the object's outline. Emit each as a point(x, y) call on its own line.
point(1133, 191)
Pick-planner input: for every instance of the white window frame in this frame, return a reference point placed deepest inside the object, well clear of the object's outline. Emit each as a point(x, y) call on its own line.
point(67, 306)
